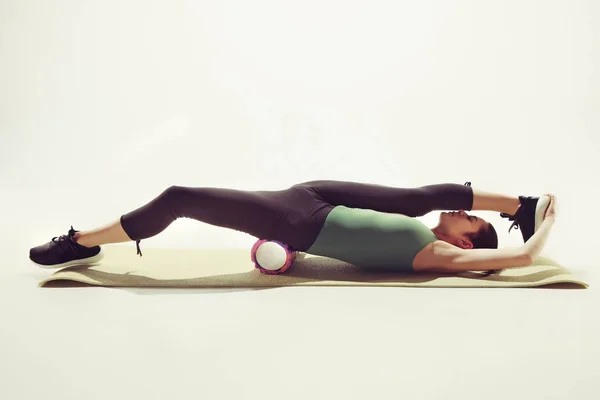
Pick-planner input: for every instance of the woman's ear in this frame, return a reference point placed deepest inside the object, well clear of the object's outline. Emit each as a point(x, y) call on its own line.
point(465, 244)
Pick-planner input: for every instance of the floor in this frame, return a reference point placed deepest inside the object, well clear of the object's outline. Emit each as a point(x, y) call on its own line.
point(293, 343)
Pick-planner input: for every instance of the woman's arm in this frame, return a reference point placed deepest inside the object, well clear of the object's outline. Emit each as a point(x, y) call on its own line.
point(536, 243)
point(533, 247)
point(448, 258)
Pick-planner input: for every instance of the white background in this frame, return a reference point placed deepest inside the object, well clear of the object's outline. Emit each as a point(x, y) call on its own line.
point(104, 104)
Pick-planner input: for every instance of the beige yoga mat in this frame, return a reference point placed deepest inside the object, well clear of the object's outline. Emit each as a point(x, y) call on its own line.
point(194, 268)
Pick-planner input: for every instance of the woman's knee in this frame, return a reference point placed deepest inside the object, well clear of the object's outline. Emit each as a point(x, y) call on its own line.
point(171, 199)
point(173, 191)
point(309, 183)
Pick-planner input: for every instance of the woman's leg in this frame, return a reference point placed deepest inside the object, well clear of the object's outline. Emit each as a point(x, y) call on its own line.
point(413, 202)
point(495, 202)
point(112, 233)
point(292, 215)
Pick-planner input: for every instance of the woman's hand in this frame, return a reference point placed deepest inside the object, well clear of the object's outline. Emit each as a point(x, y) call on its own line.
point(551, 210)
point(533, 247)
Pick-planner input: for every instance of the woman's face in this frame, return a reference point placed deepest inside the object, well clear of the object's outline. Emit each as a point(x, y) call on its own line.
point(460, 224)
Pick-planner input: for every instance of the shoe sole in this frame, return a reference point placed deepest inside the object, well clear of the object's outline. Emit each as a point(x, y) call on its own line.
point(540, 211)
point(82, 261)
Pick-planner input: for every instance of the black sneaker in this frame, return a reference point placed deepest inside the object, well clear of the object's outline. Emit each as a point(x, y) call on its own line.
point(529, 216)
point(64, 251)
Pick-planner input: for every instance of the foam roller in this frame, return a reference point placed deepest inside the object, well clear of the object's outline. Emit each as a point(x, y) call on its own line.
point(272, 257)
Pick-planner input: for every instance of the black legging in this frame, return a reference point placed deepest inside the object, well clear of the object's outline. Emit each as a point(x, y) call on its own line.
point(293, 216)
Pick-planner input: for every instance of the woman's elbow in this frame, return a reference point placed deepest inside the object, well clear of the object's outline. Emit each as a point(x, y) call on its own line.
point(528, 260)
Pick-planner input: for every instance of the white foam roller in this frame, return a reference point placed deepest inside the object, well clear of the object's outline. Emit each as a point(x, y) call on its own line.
point(271, 256)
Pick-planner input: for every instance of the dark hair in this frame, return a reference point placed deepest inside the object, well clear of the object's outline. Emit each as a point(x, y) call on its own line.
point(485, 238)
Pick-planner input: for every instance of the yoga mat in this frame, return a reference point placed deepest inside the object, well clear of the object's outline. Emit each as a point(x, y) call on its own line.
point(195, 268)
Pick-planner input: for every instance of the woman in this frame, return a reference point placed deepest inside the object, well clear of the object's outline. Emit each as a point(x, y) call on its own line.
point(366, 225)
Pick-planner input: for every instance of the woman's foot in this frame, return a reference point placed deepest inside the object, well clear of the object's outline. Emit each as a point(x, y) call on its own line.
point(529, 216)
point(64, 251)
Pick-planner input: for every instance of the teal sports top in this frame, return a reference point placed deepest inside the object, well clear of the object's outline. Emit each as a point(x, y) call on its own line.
point(371, 239)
